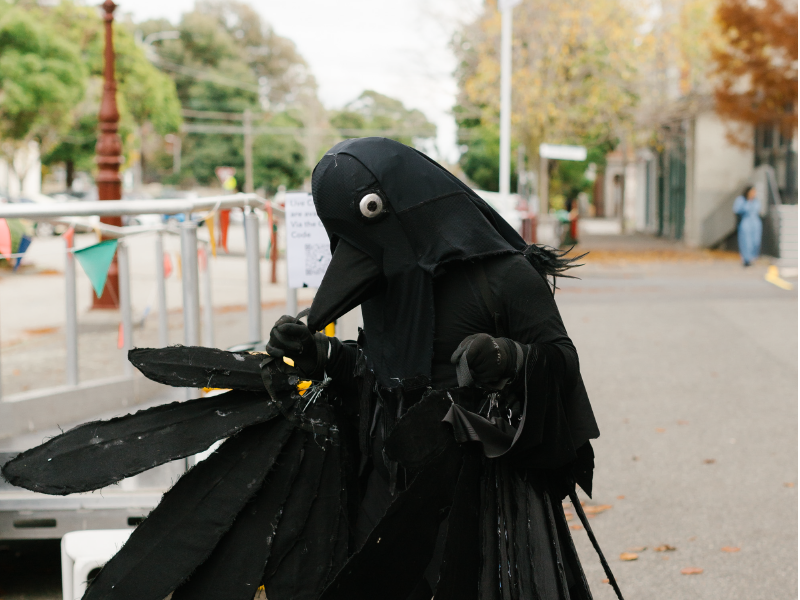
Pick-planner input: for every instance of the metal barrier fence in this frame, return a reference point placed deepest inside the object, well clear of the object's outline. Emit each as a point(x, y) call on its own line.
point(190, 280)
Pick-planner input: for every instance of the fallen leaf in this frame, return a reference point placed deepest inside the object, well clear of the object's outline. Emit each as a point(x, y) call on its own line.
point(730, 548)
point(15, 372)
point(620, 497)
point(568, 516)
point(594, 510)
point(628, 556)
point(576, 527)
point(637, 549)
point(709, 461)
point(665, 558)
point(605, 580)
point(691, 571)
point(660, 430)
point(788, 484)
point(635, 458)
point(682, 422)
point(664, 548)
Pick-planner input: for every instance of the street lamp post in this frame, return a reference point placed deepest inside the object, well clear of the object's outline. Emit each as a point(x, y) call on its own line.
point(506, 7)
point(109, 154)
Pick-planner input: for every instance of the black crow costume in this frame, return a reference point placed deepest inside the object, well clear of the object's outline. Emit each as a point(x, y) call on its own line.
point(429, 459)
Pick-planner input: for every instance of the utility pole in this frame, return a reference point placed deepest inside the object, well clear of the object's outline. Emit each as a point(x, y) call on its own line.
point(109, 154)
point(506, 7)
point(248, 151)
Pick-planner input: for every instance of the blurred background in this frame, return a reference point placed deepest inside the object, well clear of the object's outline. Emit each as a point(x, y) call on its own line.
point(635, 128)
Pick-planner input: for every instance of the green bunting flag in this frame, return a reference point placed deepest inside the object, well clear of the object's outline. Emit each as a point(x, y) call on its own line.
point(95, 261)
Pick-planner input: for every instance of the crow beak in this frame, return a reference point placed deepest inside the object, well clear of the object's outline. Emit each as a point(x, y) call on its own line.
point(352, 277)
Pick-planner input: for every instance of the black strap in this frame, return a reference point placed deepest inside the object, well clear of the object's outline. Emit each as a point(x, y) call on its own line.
point(573, 496)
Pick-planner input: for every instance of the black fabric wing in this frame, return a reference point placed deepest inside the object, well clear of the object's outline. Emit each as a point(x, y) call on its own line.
point(235, 567)
point(99, 453)
point(184, 528)
point(304, 571)
point(199, 367)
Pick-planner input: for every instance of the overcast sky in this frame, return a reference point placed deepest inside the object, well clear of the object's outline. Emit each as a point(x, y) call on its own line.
point(396, 47)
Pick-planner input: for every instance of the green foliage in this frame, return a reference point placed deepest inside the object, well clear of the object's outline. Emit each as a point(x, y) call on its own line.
point(481, 162)
point(41, 80)
point(227, 60)
point(277, 159)
point(144, 94)
point(573, 78)
point(378, 113)
point(568, 179)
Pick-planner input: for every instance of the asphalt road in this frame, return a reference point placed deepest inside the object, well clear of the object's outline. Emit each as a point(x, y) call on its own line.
point(692, 372)
point(691, 366)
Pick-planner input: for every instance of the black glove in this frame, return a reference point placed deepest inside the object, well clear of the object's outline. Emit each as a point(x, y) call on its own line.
point(292, 338)
point(486, 361)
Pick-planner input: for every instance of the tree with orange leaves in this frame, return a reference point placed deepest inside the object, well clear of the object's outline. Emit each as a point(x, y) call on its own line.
point(756, 65)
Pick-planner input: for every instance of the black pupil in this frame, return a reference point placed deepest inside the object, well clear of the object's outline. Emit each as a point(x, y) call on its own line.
point(372, 206)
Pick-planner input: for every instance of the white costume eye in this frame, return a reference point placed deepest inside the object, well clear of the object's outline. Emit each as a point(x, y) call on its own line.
point(371, 205)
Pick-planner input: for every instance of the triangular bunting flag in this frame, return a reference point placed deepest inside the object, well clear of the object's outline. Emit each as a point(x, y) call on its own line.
point(95, 261)
point(5, 240)
point(212, 240)
point(24, 242)
point(202, 258)
point(69, 237)
point(167, 265)
point(224, 220)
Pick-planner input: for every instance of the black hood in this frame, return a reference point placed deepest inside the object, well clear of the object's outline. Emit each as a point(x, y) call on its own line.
point(401, 216)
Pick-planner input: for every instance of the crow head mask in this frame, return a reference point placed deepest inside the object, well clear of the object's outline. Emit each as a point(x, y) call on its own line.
point(394, 217)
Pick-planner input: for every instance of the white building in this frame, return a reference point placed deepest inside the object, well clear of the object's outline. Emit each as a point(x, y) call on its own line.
point(684, 189)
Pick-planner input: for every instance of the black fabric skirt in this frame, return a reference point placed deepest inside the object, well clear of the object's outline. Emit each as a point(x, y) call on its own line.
point(465, 527)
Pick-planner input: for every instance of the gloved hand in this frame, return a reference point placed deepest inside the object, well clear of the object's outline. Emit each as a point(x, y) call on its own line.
point(488, 362)
point(291, 338)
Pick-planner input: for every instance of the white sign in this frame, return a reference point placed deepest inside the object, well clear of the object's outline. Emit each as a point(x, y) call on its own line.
point(560, 152)
point(308, 250)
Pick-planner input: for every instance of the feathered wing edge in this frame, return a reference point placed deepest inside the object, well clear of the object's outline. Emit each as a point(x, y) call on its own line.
point(552, 262)
point(100, 453)
point(269, 506)
point(181, 532)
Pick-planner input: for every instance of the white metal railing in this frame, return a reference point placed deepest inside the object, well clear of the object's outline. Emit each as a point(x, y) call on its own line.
point(187, 230)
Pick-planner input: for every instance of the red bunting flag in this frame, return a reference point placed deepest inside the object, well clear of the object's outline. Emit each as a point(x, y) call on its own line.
point(224, 220)
point(202, 259)
point(69, 237)
point(167, 265)
point(5, 240)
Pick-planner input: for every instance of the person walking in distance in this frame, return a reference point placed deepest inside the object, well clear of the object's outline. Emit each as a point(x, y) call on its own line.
point(748, 208)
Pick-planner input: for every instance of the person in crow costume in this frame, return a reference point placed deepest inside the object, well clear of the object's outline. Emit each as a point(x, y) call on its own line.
point(428, 459)
point(474, 420)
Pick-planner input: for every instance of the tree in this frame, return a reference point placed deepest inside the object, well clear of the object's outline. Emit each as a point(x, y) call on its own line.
point(41, 81)
point(145, 95)
point(377, 113)
point(574, 75)
point(227, 59)
point(756, 66)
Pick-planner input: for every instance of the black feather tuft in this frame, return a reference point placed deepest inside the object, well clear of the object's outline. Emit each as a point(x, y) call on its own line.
point(551, 262)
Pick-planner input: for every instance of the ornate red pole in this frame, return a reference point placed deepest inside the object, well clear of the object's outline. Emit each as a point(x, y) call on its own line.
point(109, 154)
